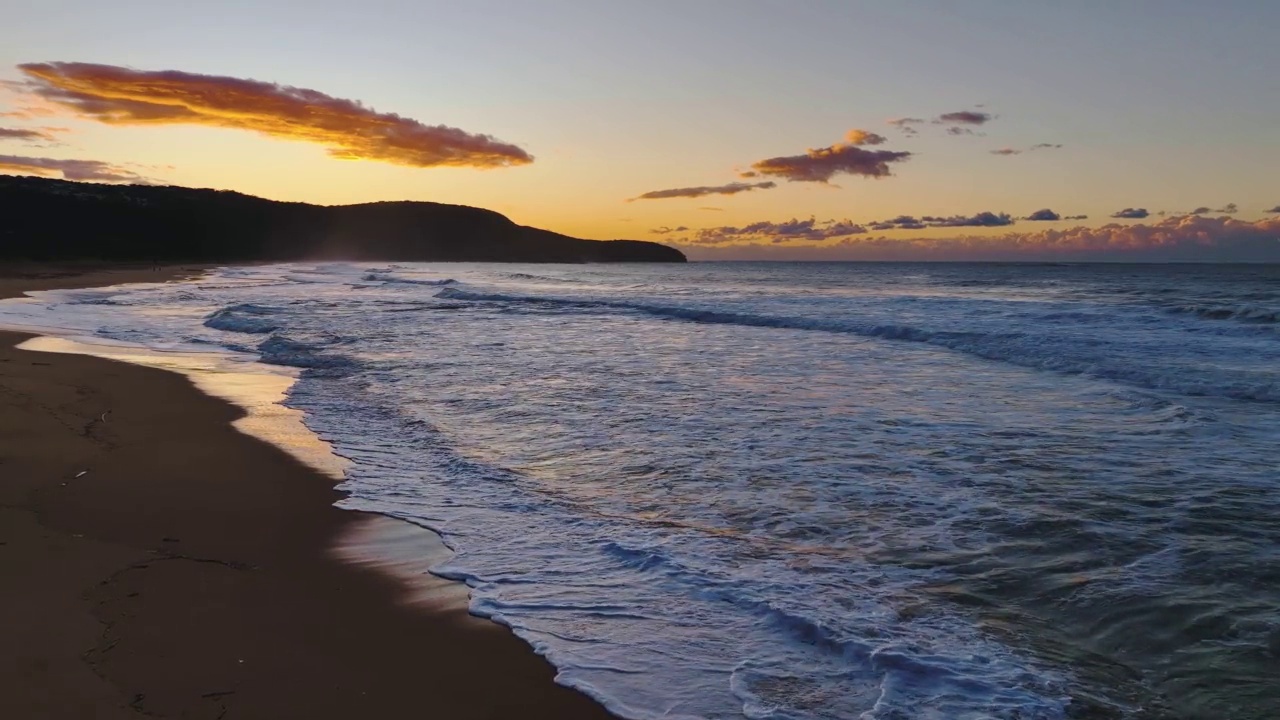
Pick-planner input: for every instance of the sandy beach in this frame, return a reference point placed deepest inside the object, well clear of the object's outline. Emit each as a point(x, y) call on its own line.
point(159, 563)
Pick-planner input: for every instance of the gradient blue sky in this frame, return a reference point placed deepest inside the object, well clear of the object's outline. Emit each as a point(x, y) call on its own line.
point(1165, 105)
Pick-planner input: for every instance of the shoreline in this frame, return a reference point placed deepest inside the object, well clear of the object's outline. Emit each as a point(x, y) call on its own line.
point(241, 591)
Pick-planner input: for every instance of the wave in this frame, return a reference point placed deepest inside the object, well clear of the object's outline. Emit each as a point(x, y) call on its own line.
point(244, 318)
point(383, 277)
point(1035, 351)
point(1247, 314)
point(279, 350)
point(545, 278)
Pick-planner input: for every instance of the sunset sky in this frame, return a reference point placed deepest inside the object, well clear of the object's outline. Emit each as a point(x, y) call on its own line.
point(708, 124)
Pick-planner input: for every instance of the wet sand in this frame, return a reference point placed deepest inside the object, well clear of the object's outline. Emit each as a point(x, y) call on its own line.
point(157, 562)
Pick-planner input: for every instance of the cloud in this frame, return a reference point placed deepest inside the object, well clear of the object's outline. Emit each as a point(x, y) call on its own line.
point(702, 191)
point(910, 222)
point(1188, 238)
point(956, 130)
point(905, 124)
point(713, 209)
point(27, 135)
point(821, 164)
point(1045, 215)
point(965, 117)
point(349, 130)
point(864, 137)
point(902, 222)
point(1016, 151)
point(1275, 209)
point(1131, 214)
point(982, 219)
point(664, 230)
point(90, 170)
point(776, 233)
point(813, 230)
point(1228, 209)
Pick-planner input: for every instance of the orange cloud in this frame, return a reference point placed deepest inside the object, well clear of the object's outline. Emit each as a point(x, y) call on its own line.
point(90, 170)
point(1186, 238)
point(350, 131)
point(864, 137)
point(821, 164)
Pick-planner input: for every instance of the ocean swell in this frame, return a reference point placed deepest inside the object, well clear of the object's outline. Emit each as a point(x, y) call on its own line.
point(1026, 349)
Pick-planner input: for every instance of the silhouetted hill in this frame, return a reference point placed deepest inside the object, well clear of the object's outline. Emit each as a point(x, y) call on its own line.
point(42, 219)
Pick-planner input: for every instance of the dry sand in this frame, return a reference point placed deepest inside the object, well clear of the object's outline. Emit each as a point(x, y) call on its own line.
point(190, 571)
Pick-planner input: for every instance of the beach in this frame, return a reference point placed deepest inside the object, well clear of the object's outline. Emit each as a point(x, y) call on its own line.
point(160, 563)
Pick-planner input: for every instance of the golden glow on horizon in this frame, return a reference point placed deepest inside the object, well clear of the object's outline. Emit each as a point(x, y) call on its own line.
point(577, 193)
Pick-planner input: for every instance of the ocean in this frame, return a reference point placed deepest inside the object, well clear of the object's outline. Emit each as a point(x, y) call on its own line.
point(801, 491)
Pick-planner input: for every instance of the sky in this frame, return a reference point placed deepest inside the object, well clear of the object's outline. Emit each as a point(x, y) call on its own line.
point(750, 129)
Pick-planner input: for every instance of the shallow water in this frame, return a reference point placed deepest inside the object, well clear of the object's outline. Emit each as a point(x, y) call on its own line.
point(804, 490)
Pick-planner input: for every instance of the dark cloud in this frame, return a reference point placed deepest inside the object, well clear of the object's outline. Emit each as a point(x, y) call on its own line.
point(704, 190)
point(1275, 209)
point(982, 219)
point(1228, 209)
point(87, 170)
point(1131, 214)
point(1186, 238)
point(1017, 151)
point(776, 233)
point(902, 222)
point(905, 124)
point(821, 164)
point(1047, 215)
point(664, 230)
point(965, 117)
point(910, 222)
point(27, 135)
point(713, 209)
point(957, 130)
point(350, 131)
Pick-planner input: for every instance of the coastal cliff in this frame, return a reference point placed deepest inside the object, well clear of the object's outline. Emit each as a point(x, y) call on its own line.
point(46, 219)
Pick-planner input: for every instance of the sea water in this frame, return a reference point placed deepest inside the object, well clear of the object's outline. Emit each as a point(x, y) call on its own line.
point(802, 490)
